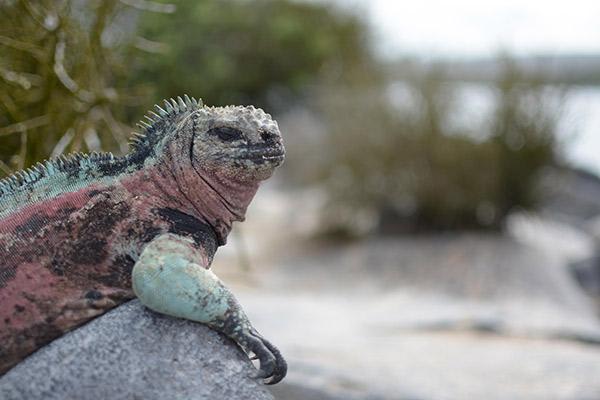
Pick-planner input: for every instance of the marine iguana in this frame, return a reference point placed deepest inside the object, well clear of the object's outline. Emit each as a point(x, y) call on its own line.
point(81, 234)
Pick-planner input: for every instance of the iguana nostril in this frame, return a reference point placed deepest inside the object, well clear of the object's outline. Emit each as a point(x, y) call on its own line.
point(267, 136)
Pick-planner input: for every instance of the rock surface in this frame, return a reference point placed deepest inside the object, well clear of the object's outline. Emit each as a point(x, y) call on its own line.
point(133, 353)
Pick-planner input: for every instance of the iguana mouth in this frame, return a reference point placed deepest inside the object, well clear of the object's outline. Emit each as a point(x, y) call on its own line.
point(272, 159)
point(265, 154)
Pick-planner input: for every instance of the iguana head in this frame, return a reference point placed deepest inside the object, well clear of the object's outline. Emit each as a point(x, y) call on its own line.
point(239, 143)
point(236, 142)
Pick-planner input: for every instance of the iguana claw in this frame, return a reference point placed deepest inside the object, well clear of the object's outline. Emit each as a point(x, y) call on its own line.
point(280, 364)
point(273, 367)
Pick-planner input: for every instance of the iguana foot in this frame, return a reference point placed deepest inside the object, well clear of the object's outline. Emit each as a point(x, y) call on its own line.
point(272, 365)
point(166, 279)
point(235, 325)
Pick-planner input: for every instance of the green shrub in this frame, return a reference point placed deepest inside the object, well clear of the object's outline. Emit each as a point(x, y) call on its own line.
point(261, 52)
point(389, 168)
point(62, 65)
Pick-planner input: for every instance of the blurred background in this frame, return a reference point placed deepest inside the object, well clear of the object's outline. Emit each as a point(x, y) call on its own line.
point(435, 230)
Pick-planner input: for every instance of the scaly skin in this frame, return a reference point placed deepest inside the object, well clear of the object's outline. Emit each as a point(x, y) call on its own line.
point(74, 230)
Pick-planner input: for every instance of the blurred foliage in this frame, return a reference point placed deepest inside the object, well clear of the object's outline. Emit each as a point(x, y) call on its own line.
point(261, 52)
point(403, 167)
point(60, 68)
point(76, 74)
point(524, 133)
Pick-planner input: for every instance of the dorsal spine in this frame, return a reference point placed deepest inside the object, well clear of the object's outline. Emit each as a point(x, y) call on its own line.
point(151, 131)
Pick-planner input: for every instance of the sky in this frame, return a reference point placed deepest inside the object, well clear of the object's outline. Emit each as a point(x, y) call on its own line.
point(484, 27)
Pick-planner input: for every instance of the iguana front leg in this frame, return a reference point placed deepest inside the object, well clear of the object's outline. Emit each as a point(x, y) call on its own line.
point(169, 277)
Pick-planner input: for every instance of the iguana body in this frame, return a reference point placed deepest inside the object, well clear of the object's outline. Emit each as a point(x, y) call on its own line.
point(81, 234)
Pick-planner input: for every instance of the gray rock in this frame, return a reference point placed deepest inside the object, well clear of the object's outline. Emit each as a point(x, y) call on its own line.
point(133, 353)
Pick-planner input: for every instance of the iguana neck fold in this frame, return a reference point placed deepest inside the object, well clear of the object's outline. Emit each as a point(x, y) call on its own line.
point(203, 191)
point(196, 192)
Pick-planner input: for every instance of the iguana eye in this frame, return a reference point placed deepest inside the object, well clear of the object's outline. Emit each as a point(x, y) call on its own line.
point(226, 133)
